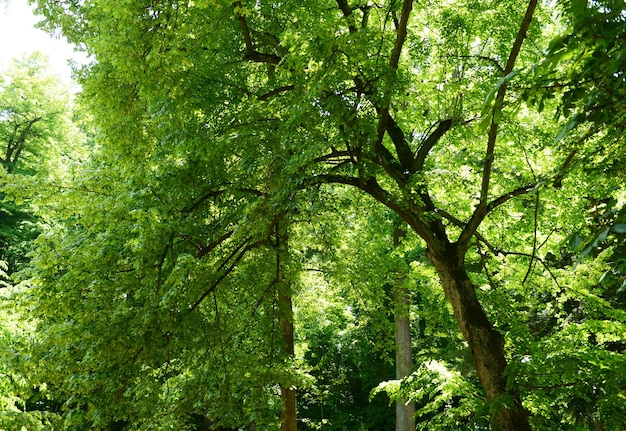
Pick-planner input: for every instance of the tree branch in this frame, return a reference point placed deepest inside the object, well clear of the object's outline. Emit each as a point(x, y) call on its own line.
point(347, 13)
point(405, 155)
point(334, 157)
point(508, 196)
point(497, 107)
point(239, 254)
point(534, 252)
point(401, 33)
point(483, 207)
point(276, 91)
point(430, 233)
point(204, 250)
point(429, 143)
point(383, 157)
point(251, 53)
point(385, 122)
point(214, 193)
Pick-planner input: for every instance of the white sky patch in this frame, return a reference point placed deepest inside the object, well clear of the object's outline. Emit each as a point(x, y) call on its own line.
point(19, 36)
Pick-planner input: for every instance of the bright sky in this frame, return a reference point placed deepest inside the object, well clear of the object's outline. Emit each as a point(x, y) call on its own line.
point(18, 35)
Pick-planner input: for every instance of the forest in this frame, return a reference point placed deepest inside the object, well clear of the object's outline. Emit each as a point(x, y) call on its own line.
point(338, 215)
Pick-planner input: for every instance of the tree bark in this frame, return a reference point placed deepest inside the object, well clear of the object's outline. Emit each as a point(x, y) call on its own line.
point(288, 394)
point(405, 409)
point(485, 343)
point(285, 320)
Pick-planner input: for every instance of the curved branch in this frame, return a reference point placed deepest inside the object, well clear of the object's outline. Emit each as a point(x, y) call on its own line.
point(385, 122)
point(405, 155)
point(214, 193)
point(455, 221)
point(204, 250)
point(251, 53)
point(335, 156)
point(347, 13)
point(429, 143)
point(533, 256)
point(428, 232)
point(508, 196)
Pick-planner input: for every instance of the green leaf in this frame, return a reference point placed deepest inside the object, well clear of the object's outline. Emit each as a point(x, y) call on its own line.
point(619, 228)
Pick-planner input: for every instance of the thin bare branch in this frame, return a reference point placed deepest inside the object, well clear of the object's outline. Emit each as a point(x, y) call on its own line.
point(533, 255)
point(226, 270)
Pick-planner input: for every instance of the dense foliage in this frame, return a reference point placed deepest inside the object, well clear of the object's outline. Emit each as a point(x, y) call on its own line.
point(36, 134)
point(37, 141)
point(266, 177)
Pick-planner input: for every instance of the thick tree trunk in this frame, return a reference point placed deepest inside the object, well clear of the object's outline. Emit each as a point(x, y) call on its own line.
point(405, 409)
point(485, 343)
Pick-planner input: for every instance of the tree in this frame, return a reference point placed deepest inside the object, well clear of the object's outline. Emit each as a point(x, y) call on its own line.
point(228, 117)
point(34, 116)
point(36, 138)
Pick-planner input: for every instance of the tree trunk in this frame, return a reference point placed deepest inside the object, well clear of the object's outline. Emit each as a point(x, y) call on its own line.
point(405, 409)
point(485, 343)
point(288, 394)
point(285, 320)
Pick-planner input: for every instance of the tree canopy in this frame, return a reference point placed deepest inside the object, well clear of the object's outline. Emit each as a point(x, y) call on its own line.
point(254, 166)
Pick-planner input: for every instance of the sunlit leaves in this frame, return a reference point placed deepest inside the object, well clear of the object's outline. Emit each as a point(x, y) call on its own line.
point(217, 122)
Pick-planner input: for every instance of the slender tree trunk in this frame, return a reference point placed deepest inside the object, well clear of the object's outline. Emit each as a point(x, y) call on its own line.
point(288, 394)
point(405, 410)
point(485, 343)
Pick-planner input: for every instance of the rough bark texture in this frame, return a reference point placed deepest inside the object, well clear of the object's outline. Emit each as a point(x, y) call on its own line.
point(485, 343)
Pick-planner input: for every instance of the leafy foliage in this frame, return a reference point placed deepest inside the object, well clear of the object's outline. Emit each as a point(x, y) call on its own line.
point(218, 123)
